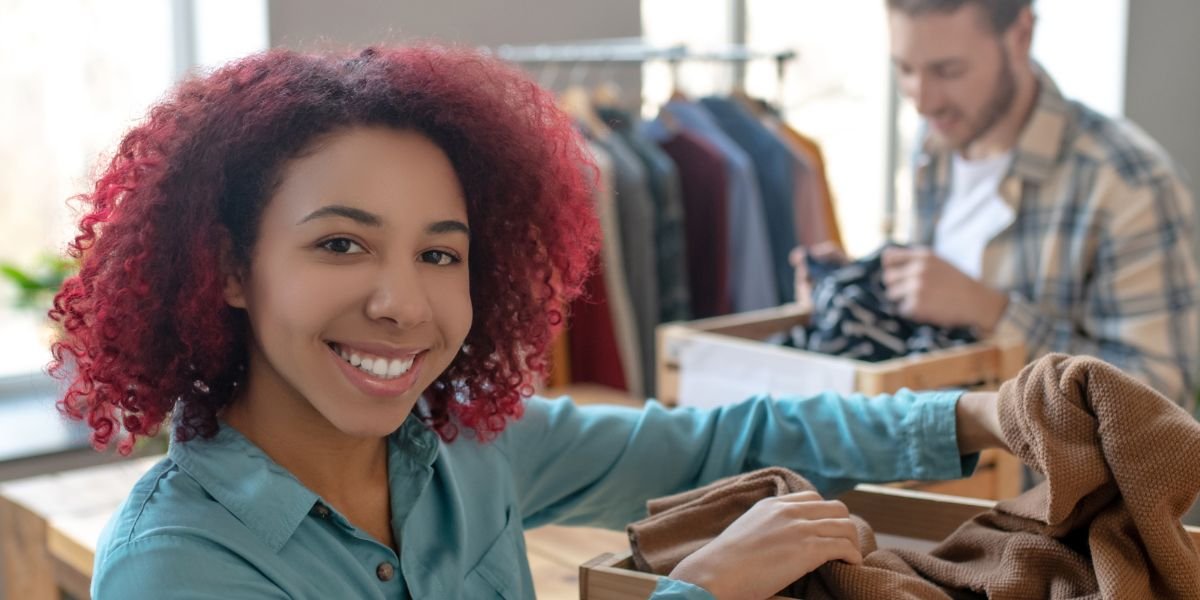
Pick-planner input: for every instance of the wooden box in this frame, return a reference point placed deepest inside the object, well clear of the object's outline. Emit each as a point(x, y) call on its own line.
point(982, 365)
point(900, 518)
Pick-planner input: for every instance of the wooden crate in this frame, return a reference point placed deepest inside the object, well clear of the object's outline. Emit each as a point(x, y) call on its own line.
point(982, 365)
point(900, 518)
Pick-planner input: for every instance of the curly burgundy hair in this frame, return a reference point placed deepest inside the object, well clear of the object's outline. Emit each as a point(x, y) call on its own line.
point(146, 331)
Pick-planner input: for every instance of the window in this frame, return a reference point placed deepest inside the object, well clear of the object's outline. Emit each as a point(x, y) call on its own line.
point(74, 75)
point(835, 91)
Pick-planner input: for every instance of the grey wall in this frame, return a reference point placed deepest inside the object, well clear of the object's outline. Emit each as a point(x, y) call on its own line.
point(310, 24)
point(1162, 78)
point(297, 23)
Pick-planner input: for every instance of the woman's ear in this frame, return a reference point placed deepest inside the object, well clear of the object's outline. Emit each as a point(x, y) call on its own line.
point(234, 275)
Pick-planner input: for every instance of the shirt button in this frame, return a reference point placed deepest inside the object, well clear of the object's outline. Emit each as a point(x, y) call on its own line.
point(385, 571)
point(321, 511)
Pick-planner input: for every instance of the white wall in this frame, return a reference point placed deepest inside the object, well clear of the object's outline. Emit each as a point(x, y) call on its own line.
point(1082, 44)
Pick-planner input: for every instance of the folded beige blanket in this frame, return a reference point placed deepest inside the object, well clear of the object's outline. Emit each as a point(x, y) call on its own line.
point(1122, 465)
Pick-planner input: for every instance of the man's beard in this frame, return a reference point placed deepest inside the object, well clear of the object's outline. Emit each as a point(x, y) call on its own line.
point(998, 105)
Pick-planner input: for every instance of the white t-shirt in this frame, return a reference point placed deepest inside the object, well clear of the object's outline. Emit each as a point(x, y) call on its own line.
point(974, 213)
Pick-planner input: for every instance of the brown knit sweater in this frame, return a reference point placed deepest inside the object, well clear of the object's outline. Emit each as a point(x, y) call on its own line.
point(1122, 465)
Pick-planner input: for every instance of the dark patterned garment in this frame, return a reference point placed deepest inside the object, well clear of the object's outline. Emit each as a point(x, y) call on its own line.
point(853, 318)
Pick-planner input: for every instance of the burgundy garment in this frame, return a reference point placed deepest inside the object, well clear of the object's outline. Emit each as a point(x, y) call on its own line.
point(595, 355)
point(705, 213)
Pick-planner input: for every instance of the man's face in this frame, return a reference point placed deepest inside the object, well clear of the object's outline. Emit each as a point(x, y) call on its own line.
point(955, 69)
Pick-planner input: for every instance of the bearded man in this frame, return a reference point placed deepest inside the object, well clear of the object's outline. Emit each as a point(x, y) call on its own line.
point(1036, 217)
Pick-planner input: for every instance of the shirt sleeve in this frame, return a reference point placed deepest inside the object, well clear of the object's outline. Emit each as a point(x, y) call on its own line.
point(1139, 307)
point(673, 589)
point(169, 567)
point(597, 465)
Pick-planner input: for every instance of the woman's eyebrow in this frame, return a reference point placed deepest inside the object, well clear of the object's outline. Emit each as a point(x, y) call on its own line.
point(448, 226)
point(337, 210)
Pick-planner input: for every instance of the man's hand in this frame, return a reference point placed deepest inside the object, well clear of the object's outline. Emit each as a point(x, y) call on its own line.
point(928, 289)
point(824, 252)
point(776, 542)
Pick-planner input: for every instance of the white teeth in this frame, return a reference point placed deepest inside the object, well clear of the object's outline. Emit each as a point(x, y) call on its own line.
point(377, 366)
point(395, 367)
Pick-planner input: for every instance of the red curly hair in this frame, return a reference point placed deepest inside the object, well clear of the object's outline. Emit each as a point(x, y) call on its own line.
point(146, 331)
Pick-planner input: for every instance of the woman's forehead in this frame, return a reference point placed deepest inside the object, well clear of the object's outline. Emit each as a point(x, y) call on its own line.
point(387, 174)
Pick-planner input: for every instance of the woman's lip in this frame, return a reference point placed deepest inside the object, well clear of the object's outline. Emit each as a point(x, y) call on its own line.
point(375, 386)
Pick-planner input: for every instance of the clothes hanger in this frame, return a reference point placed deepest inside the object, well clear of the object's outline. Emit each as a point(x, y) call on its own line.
point(677, 94)
point(606, 93)
point(576, 102)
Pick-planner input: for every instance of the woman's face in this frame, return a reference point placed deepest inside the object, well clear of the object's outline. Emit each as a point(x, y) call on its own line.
point(358, 292)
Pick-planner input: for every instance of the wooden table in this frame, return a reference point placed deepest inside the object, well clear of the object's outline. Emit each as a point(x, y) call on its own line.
point(51, 524)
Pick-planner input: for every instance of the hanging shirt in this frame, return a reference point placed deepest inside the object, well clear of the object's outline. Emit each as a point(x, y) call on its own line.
point(664, 185)
point(635, 219)
point(751, 276)
point(974, 212)
point(775, 168)
point(218, 518)
point(705, 193)
point(603, 341)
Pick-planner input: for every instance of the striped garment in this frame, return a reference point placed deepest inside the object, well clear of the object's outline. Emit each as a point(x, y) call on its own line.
point(1098, 260)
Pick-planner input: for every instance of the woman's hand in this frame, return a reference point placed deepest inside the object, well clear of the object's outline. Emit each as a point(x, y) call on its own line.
point(978, 422)
point(776, 542)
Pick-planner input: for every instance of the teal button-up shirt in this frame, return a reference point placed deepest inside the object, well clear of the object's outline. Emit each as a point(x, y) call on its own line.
point(218, 518)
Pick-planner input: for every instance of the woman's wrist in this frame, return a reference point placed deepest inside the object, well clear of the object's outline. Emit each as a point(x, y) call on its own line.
point(688, 571)
point(978, 422)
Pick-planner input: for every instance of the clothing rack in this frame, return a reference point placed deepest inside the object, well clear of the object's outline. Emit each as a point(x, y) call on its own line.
point(634, 50)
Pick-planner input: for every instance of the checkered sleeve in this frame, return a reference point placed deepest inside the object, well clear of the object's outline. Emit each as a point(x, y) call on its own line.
point(1139, 307)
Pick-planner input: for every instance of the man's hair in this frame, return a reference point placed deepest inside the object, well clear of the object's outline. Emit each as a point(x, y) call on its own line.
point(1000, 14)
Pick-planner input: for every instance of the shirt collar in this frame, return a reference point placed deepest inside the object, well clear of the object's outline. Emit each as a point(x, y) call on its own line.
point(267, 498)
point(1039, 147)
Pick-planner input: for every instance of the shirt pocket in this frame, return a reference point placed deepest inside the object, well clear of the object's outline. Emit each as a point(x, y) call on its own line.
point(500, 571)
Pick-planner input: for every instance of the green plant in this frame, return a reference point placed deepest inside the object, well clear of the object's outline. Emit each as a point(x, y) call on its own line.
point(36, 286)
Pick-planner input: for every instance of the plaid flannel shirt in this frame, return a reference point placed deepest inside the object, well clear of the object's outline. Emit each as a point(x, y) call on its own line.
point(1098, 259)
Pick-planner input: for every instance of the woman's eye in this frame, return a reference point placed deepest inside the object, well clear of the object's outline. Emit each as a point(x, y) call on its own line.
point(342, 246)
point(439, 258)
